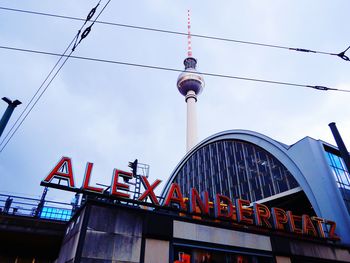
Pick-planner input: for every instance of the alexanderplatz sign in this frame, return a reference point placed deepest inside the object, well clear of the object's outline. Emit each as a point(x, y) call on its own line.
point(222, 208)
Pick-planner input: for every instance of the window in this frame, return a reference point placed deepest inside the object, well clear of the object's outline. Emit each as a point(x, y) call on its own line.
point(236, 169)
point(184, 254)
point(56, 213)
point(341, 176)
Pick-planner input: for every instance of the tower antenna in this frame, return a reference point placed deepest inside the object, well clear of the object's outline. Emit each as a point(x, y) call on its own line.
point(189, 40)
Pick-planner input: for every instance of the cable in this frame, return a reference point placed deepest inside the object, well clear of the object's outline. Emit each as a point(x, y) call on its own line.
point(42, 84)
point(31, 108)
point(322, 88)
point(61, 56)
point(47, 77)
point(304, 50)
point(37, 91)
point(17, 193)
point(54, 76)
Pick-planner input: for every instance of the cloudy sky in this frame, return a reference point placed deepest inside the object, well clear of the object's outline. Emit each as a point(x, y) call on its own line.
point(111, 114)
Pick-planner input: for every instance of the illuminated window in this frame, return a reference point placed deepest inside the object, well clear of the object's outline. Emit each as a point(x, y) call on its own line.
point(56, 213)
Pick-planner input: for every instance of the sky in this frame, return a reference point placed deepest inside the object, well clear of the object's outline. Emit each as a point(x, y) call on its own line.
point(111, 114)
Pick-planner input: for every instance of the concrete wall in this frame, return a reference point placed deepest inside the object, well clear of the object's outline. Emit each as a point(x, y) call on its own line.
point(221, 236)
point(71, 240)
point(156, 251)
point(112, 234)
point(281, 259)
point(300, 249)
point(101, 234)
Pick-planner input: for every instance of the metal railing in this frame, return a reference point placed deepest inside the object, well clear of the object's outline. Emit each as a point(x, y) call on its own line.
point(32, 207)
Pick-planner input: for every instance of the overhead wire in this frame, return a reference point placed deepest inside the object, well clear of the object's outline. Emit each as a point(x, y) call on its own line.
point(317, 87)
point(40, 87)
point(4, 143)
point(304, 50)
point(87, 31)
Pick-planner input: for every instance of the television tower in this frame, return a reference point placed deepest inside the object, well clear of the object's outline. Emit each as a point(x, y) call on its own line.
point(190, 83)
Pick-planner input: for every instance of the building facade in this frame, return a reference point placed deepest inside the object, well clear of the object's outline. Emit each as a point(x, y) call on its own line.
point(277, 199)
point(103, 232)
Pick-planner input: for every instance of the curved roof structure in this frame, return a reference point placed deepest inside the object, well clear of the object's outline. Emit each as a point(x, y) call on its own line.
point(252, 166)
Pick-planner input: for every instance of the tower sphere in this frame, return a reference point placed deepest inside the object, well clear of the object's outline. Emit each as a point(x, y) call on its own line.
point(190, 79)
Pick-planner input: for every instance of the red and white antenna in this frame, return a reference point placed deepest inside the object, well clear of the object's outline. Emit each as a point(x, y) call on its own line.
point(189, 43)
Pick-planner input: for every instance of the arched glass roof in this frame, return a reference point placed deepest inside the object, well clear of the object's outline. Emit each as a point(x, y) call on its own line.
point(236, 169)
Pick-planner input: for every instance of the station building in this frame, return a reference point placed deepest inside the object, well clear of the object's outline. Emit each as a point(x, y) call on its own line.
point(238, 196)
point(306, 177)
point(308, 180)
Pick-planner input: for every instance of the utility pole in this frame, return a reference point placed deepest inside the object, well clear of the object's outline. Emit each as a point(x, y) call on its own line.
point(341, 145)
point(10, 108)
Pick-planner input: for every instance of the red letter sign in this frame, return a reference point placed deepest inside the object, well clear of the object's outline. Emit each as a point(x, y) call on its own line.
point(86, 181)
point(117, 185)
point(243, 212)
point(279, 218)
point(319, 226)
point(149, 190)
point(223, 207)
point(291, 222)
point(203, 203)
point(64, 164)
point(331, 232)
point(261, 214)
point(308, 227)
point(177, 198)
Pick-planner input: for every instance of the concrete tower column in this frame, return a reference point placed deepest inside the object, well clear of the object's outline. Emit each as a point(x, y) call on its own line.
point(191, 137)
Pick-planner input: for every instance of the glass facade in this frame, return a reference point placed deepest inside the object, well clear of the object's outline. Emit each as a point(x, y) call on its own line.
point(235, 169)
point(56, 213)
point(341, 176)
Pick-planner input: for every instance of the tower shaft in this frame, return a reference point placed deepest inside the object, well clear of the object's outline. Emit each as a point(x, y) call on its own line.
point(191, 134)
point(190, 83)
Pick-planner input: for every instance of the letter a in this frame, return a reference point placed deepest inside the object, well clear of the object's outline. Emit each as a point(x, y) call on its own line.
point(58, 171)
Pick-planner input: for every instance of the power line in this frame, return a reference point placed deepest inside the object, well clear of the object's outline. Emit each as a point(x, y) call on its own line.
point(304, 50)
point(88, 29)
point(322, 88)
point(42, 84)
point(36, 93)
point(82, 36)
